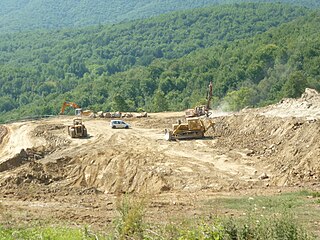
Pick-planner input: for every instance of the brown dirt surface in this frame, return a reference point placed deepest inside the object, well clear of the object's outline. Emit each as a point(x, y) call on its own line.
point(46, 175)
point(3, 133)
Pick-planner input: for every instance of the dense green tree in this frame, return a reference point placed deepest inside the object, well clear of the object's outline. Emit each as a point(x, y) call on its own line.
point(6, 104)
point(295, 85)
point(236, 100)
point(119, 104)
point(160, 103)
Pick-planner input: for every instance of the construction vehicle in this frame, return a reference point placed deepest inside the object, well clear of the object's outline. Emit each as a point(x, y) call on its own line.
point(78, 129)
point(193, 128)
point(77, 108)
point(202, 109)
point(71, 104)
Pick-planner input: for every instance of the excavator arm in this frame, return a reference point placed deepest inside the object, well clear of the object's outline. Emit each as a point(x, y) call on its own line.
point(66, 104)
point(209, 96)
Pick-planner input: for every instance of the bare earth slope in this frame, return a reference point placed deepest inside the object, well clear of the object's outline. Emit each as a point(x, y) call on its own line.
point(44, 174)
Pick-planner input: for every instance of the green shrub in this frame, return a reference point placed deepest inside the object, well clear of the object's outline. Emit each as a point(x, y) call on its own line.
point(316, 194)
point(130, 223)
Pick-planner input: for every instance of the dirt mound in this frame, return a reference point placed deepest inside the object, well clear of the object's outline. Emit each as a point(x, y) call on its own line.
point(288, 147)
point(283, 136)
point(28, 155)
point(307, 106)
point(311, 94)
point(35, 173)
point(115, 172)
point(51, 133)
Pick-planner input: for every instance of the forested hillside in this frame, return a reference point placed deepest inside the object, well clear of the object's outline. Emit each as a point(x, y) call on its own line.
point(252, 56)
point(24, 15)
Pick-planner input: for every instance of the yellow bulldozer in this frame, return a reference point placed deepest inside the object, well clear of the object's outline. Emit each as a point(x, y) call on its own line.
point(192, 129)
point(78, 129)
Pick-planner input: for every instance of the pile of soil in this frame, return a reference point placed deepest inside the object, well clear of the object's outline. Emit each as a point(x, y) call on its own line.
point(307, 106)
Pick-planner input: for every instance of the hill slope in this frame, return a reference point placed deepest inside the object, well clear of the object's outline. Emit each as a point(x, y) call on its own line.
point(43, 69)
point(22, 15)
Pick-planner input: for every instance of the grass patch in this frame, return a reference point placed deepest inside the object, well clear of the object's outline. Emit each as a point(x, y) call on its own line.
point(54, 233)
point(250, 227)
point(315, 194)
point(255, 218)
point(294, 210)
point(271, 203)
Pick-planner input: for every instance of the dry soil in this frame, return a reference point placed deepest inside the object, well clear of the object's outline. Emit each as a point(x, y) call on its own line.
point(47, 176)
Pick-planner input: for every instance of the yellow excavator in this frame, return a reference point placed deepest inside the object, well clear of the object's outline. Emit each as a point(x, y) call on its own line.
point(202, 109)
point(194, 128)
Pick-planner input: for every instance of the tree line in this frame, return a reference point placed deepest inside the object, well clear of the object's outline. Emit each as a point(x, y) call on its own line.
point(21, 16)
point(255, 54)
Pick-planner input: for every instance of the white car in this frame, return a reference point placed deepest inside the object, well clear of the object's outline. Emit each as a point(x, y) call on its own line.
point(119, 124)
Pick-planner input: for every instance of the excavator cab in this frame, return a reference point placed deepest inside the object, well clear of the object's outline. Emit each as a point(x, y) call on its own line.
point(78, 111)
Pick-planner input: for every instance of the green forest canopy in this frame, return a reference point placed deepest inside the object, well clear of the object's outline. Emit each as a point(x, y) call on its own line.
point(257, 53)
point(25, 15)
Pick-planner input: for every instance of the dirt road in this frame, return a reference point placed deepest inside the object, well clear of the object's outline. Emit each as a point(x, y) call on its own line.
point(44, 174)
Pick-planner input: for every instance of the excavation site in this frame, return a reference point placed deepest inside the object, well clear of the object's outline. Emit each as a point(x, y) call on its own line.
point(46, 175)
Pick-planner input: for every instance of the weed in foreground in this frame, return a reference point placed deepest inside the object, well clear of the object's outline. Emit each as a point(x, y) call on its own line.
point(130, 223)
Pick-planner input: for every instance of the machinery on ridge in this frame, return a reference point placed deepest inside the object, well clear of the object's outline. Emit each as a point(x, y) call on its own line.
point(77, 108)
point(202, 109)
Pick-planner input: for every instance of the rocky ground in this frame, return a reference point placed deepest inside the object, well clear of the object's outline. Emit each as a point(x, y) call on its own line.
point(47, 176)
